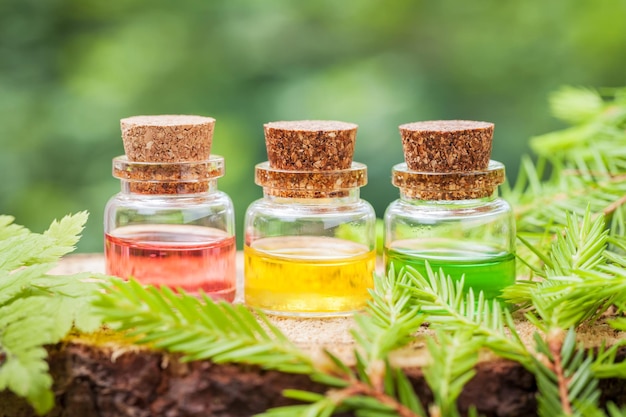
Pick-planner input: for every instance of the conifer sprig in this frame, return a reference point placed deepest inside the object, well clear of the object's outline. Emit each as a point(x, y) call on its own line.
point(578, 167)
point(581, 277)
point(453, 358)
point(564, 376)
point(579, 175)
point(448, 307)
point(198, 327)
point(373, 387)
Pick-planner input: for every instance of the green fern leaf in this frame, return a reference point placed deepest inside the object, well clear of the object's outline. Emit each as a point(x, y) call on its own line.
point(36, 308)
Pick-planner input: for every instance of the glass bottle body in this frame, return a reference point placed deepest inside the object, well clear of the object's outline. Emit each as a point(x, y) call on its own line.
point(309, 256)
point(472, 238)
point(177, 240)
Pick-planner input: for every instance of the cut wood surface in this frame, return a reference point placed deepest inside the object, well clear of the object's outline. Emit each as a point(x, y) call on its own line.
point(105, 377)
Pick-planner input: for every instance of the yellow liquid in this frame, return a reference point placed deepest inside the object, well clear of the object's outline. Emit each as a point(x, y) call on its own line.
point(308, 275)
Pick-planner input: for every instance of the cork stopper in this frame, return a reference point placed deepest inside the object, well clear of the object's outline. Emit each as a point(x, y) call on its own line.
point(310, 145)
point(167, 154)
point(167, 138)
point(447, 145)
point(449, 185)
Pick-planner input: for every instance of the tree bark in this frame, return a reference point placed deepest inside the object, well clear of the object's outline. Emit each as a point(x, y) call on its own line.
point(95, 381)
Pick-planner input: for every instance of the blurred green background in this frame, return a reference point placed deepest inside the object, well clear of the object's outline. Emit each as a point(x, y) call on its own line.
point(70, 69)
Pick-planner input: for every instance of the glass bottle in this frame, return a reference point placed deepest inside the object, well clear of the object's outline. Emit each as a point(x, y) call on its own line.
point(171, 226)
point(453, 220)
point(309, 242)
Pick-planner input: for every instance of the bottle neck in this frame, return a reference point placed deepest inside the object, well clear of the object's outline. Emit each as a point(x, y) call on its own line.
point(173, 188)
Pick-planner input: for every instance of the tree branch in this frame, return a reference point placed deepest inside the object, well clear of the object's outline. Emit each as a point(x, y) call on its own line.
point(555, 344)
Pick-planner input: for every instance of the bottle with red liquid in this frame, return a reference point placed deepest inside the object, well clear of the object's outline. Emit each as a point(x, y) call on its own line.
point(170, 225)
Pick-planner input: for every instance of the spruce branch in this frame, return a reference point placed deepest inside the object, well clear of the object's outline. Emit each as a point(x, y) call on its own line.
point(606, 364)
point(582, 277)
point(200, 328)
point(567, 385)
point(578, 167)
point(453, 359)
point(390, 320)
point(615, 411)
point(448, 307)
point(374, 387)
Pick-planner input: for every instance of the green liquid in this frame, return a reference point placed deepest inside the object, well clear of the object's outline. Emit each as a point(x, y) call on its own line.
point(484, 268)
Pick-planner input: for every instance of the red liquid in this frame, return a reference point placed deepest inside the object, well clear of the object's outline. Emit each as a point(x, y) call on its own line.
point(178, 256)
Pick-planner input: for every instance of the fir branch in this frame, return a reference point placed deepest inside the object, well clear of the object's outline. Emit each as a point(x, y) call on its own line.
point(447, 306)
point(374, 387)
point(564, 376)
point(198, 327)
point(576, 105)
point(606, 364)
point(578, 167)
point(582, 278)
point(615, 411)
point(453, 358)
point(391, 318)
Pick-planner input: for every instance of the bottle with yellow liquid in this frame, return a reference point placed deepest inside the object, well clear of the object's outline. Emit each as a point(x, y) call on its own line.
point(310, 241)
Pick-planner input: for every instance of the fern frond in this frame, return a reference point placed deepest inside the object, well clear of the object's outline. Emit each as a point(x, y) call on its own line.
point(25, 370)
point(37, 309)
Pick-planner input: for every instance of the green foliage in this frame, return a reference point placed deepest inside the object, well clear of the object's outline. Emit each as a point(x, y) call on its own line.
point(36, 308)
point(447, 307)
point(465, 324)
point(391, 320)
point(579, 169)
point(205, 329)
point(454, 357)
point(582, 278)
point(571, 230)
point(199, 328)
point(564, 376)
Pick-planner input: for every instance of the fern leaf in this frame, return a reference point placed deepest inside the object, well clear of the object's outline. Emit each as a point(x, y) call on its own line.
point(36, 308)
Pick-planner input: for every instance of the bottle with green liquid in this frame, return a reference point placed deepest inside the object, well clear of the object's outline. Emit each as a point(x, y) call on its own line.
point(449, 215)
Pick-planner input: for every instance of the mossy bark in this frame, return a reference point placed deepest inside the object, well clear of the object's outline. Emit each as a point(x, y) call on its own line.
point(96, 381)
